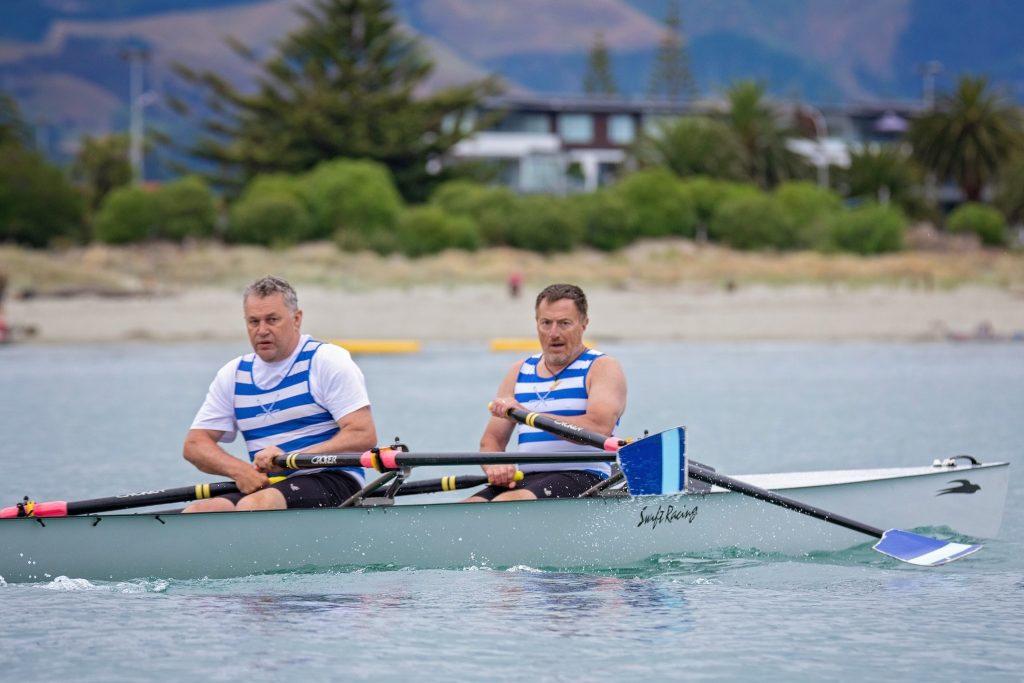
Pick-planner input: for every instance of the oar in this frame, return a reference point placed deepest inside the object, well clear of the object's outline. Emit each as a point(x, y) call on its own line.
point(902, 545)
point(385, 459)
point(60, 508)
point(450, 483)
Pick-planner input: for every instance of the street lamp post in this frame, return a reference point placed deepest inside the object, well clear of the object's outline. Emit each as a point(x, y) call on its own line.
point(820, 135)
point(138, 100)
point(928, 73)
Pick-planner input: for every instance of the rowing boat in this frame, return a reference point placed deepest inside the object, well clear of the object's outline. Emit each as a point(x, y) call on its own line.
point(607, 531)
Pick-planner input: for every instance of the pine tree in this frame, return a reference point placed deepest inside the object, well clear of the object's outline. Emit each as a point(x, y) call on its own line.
point(13, 129)
point(343, 85)
point(599, 80)
point(672, 76)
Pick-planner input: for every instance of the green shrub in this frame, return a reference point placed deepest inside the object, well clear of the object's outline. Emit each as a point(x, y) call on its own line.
point(545, 224)
point(983, 220)
point(429, 229)
point(708, 194)
point(868, 229)
point(351, 196)
point(809, 210)
point(276, 185)
point(658, 204)
point(606, 222)
point(270, 220)
point(752, 221)
point(186, 209)
point(491, 208)
point(127, 214)
point(287, 188)
point(37, 204)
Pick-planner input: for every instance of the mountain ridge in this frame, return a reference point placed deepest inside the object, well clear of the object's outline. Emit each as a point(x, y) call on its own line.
point(60, 58)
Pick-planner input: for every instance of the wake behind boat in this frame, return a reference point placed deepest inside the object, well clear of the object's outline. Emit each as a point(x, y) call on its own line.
point(609, 530)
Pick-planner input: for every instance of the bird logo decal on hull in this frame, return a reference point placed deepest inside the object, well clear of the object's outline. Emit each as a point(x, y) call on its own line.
point(964, 486)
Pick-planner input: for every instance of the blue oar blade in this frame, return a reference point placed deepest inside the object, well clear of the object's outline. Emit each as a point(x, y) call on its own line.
point(655, 464)
point(921, 550)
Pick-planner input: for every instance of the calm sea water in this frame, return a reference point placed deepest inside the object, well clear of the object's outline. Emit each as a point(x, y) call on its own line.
point(95, 421)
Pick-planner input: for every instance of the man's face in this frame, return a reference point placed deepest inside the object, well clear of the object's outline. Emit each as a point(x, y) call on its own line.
point(273, 329)
point(560, 331)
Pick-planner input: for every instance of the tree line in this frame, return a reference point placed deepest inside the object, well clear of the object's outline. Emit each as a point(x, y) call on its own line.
point(337, 143)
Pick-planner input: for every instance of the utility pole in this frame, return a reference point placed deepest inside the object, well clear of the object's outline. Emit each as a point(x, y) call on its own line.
point(136, 58)
point(821, 142)
point(928, 73)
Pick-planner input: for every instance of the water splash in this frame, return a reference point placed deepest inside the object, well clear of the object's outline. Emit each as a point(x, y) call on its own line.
point(69, 585)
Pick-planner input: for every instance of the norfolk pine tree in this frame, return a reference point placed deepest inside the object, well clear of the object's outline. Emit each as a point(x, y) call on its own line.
point(672, 76)
point(599, 80)
point(343, 85)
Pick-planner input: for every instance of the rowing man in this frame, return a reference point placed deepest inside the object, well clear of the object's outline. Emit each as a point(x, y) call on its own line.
point(567, 380)
point(292, 393)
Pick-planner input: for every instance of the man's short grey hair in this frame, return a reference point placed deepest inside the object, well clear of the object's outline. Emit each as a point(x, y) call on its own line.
point(553, 293)
point(268, 285)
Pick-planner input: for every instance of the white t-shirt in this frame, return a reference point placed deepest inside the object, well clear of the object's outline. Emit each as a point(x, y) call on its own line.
point(335, 382)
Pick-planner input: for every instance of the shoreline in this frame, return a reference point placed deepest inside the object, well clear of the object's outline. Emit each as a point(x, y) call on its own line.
point(690, 312)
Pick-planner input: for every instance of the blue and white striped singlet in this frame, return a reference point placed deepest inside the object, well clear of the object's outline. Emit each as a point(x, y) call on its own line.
point(286, 416)
point(565, 394)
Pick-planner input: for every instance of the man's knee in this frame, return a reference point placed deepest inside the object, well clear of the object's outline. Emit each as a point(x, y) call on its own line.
point(267, 499)
point(515, 494)
point(211, 505)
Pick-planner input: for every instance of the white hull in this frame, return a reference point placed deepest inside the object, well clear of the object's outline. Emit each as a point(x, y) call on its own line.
point(614, 532)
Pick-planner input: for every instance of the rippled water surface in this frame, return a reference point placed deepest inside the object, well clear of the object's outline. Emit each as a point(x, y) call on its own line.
point(95, 421)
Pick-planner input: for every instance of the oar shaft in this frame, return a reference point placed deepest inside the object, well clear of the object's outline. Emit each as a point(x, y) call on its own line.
point(146, 498)
point(709, 477)
point(387, 459)
point(576, 434)
point(124, 501)
point(449, 483)
point(566, 430)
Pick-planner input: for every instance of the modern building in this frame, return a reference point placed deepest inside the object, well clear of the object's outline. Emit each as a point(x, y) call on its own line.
point(563, 144)
point(578, 144)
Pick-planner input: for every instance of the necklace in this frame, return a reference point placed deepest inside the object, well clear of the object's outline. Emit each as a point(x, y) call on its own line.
point(555, 377)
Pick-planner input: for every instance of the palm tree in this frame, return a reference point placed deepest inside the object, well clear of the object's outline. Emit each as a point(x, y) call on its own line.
point(769, 162)
point(968, 135)
point(887, 174)
point(694, 145)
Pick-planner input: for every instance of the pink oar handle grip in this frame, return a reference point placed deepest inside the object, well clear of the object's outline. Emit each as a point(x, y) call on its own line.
point(56, 508)
point(383, 459)
point(612, 443)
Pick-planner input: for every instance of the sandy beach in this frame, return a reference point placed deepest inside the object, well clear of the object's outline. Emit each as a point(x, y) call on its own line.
point(655, 290)
point(479, 313)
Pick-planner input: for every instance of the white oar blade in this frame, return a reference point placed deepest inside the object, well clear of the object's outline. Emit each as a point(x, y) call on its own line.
point(921, 550)
point(655, 464)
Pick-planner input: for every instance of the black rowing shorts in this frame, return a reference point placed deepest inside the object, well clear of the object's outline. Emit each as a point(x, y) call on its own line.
point(326, 489)
point(565, 484)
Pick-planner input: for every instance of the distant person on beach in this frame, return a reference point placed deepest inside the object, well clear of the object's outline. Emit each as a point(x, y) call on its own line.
point(515, 283)
point(3, 320)
point(292, 393)
point(566, 379)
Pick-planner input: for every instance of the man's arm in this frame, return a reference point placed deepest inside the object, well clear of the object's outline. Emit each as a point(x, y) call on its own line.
point(358, 433)
point(202, 450)
point(606, 402)
point(499, 429)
